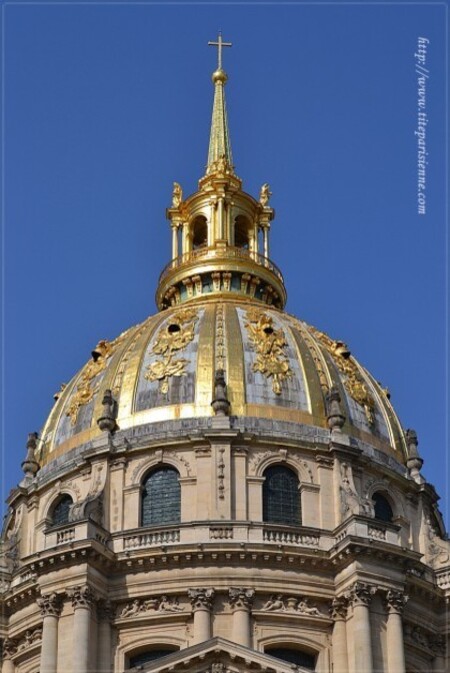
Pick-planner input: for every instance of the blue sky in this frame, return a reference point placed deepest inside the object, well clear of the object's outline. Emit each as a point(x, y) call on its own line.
point(105, 105)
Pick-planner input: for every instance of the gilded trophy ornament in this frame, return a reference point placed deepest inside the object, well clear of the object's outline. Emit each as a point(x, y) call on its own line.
point(86, 387)
point(171, 338)
point(353, 381)
point(269, 344)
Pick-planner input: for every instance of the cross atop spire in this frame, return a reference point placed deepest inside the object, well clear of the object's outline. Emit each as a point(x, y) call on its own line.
point(219, 44)
point(219, 153)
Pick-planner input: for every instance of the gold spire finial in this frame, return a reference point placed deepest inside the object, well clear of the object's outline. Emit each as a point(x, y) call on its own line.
point(219, 153)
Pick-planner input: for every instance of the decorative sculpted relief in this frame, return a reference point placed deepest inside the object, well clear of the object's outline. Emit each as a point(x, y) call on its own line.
point(150, 605)
point(353, 380)
point(351, 501)
point(269, 344)
point(171, 338)
point(85, 389)
point(438, 550)
point(278, 603)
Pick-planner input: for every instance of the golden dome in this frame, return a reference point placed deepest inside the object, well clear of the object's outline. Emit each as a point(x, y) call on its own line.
point(278, 369)
point(221, 300)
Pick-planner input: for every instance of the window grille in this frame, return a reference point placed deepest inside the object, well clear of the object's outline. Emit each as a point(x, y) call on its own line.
point(161, 503)
point(60, 514)
point(383, 510)
point(294, 657)
point(150, 655)
point(281, 496)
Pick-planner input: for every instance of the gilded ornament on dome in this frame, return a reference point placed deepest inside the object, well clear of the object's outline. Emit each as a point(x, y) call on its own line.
point(171, 338)
point(85, 389)
point(269, 344)
point(353, 380)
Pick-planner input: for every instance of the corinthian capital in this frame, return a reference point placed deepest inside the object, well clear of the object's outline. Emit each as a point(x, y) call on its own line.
point(361, 594)
point(395, 601)
point(9, 647)
point(339, 607)
point(201, 599)
point(50, 605)
point(241, 598)
point(82, 596)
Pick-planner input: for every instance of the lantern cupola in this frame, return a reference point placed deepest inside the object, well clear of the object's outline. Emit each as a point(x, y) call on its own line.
point(220, 234)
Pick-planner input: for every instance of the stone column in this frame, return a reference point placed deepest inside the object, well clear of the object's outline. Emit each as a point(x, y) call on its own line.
point(9, 648)
point(395, 603)
point(82, 598)
point(201, 600)
point(339, 638)
point(360, 597)
point(438, 647)
point(241, 603)
point(50, 606)
point(105, 614)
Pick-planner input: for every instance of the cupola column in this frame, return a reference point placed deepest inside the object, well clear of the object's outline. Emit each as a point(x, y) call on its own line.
point(339, 638)
point(82, 599)
point(266, 241)
point(174, 241)
point(241, 601)
point(360, 598)
point(395, 603)
point(202, 602)
point(50, 606)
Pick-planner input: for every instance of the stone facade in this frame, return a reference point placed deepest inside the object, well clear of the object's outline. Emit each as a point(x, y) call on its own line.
point(357, 593)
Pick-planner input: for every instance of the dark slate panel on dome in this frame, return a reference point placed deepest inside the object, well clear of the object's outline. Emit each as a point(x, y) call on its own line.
point(258, 387)
point(181, 389)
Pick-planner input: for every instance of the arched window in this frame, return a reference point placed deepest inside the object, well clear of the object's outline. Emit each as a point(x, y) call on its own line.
point(199, 233)
point(241, 232)
point(60, 513)
point(150, 655)
point(294, 656)
point(281, 496)
point(383, 510)
point(161, 497)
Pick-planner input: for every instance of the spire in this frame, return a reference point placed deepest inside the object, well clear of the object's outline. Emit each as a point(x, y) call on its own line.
point(219, 141)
